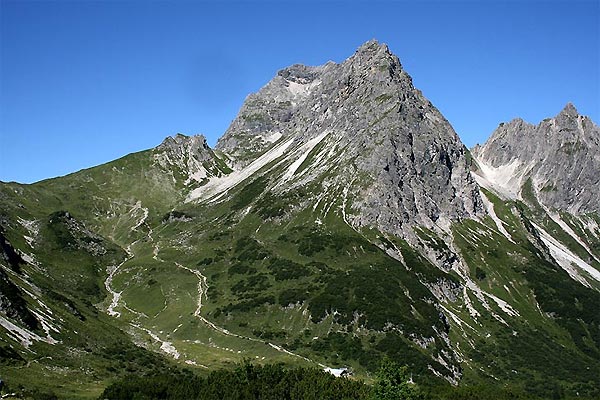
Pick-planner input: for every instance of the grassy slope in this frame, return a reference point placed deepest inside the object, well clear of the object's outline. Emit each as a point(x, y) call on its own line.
point(280, 272)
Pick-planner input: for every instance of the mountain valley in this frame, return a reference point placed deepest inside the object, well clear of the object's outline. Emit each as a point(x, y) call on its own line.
point(338, 221)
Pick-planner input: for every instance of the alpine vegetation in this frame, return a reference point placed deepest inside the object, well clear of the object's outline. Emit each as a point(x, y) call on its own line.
point(339, 227)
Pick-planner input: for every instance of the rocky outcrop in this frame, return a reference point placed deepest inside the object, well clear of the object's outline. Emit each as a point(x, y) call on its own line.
point(381, 144)
point(560, 157)
point(189, 158)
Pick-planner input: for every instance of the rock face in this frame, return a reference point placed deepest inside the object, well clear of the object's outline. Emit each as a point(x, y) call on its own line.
point(560, 155)
point(190, 157)
point(361, 129)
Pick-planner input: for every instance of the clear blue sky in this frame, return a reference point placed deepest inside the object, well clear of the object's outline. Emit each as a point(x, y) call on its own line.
point(85, 82)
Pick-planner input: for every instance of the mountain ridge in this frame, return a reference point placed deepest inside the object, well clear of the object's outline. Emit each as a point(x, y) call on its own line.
point(542, 151)
point(358, 232)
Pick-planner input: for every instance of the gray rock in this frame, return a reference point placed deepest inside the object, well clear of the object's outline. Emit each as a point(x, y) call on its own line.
point(189, 157)
point(560, 156)
point(390, 154)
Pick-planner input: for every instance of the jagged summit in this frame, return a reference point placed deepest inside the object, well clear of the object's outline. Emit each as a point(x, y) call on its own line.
point(373, 50)
point(180, 139)
point(268, 115)
point(560, 157)
point(569, 110)
point(351, 229)
point(191, 157)
point(368, 120)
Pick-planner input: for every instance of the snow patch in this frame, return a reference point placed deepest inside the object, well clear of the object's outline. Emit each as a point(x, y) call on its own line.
point(337, 372)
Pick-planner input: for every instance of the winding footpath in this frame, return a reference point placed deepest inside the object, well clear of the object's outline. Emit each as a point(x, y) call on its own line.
point(168, 347)
point(202, 292)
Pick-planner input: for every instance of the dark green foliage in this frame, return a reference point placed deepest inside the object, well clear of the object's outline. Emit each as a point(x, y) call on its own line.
point(423, 268)
point(347, 347)
point(248, 250)
point(248, 305)
point(249, 193)
point(14, 305)
point(480, 274)
point(8, 253)
point(393, 383)
point(481, 392)
point(269, 334)
point(247, 381)
point(10, 357)
point(573, 306)
point(39, 394)
point(375, 293)
point(548, 363)
point(293, 296)
point(312, 241)
point(71, 306)
point(176, 216)
point(254, 283)
point(76, 256)
point(283, 269)
point(241, 269)
point(205, 261)
point(540, 362)
point(400, 350)
point(270, 206)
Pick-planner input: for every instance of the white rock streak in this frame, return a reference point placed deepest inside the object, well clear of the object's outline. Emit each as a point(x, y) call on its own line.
point(218, 186)
point(138, 206)
point(568, 261)
point(489, 206)
point(112, 270)
point(116, 296)
point(565, 227)
point(166, 347)
point(24, 336)
point(305, 149)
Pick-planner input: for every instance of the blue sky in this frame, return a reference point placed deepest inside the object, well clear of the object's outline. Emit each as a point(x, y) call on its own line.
point(86, 82)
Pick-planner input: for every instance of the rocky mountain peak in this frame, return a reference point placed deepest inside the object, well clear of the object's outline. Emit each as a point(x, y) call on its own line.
point(299, 73)
point(373, 60)
point(191, 156)
point(373, 50)
point(180, 140)
point(568, 111)
point(560, 157)
point(369, 121)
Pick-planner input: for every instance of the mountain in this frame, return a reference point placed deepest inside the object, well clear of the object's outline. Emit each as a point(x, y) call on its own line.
point(553, 167)
point(560, 157)
point(338, 221)
point(362, 130)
